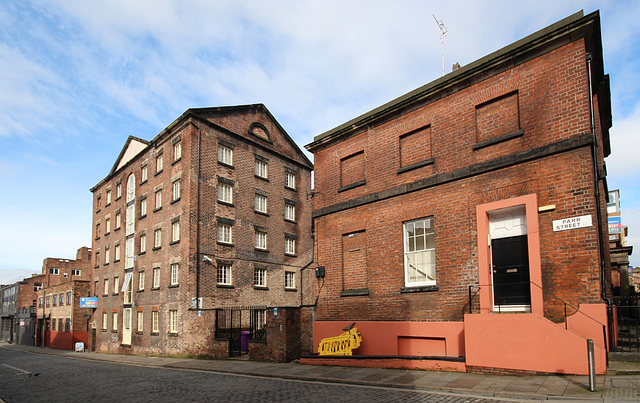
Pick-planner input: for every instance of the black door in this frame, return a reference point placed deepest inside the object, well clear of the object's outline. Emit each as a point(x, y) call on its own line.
point(510, 271)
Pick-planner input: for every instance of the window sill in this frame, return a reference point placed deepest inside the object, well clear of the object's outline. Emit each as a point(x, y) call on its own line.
point(157, 209)
point(107, 233)
point(423, 288)
point(291, 221)
point(139, 290)
point(224, 164)
point(172, 334)
point(143, 182)
point(105, 264)
point(225, 244)
point(176, 161)
point(355, 293)
point(138, 332)
point(174, 285)
point(114, 294)
point(154, 334)
point(261, 250)
point(116, 261)
point(261, 178)
point(290, 254)
point(290, 289)
point(104, 330)
point(144, 252)
point(261, 213)
point(498, 140)
point(224, 203)
point(104, 295)
point(350, 186)
point(175, 201)
point(157, 248)
point(261, 287)
point(141, 217)
point(158, 173)
point(174, 242)
point(415, 165)
point(117, 229)
point(225, 286)
point(290, 188)
point(155, 288)
point(114, 331)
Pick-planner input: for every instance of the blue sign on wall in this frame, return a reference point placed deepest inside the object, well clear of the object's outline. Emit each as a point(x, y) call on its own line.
point(88, 302)
point(615, 225)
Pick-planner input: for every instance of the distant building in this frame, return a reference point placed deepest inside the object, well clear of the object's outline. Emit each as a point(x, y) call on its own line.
point(462, 226)
point(212, 214)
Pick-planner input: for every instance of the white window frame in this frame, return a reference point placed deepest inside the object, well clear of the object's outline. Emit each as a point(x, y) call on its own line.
point(131, 188)
point(260, 277)
point(143, 207)
point(177, 151)
point(54, 270)
point(76, 272)
point(175, 231)
point(261, 240)
point(290, 180)
point(116, 253)
point(144, 174)
point(157, 238)
point(130, 219)
point(107, 254)
point(223, 275)
point(129, 253)
point(143, 243)
point(261, 169)
point(107, 226)
point(176, 190)
point(419, 258)
point(155, 322)
point(290, 279)
point(140, 321)
point(173, 321)
point(289, 246)
point(289, 212)
point(175, 269)
point(156, 277)
point(108, 192)
point(118, 191)
point(105, 291)
point(158, 199)
point(159, 163)
point(116, 284)
point(141, 278)
point(225, 192)
point(260, 203)
point(114, 325)
point(225, 233)
point(225, 155)
point(118, 220)
point(104, 320)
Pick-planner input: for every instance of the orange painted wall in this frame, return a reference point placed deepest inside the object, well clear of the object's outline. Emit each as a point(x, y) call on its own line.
point(527, 342)
point(588, 323)
point(399, 338)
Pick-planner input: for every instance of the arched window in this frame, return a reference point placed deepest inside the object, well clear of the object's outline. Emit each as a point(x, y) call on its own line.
point(131, 188)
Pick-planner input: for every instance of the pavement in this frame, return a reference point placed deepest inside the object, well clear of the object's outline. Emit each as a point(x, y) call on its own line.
point(620, 384)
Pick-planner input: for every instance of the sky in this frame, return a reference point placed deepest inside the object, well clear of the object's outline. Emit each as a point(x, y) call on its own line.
point(78, 77)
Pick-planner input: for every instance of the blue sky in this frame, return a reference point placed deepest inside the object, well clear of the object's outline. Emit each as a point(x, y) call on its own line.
point(78, 77)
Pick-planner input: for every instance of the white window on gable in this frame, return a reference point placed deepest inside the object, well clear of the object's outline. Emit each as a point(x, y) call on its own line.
point(261, 169)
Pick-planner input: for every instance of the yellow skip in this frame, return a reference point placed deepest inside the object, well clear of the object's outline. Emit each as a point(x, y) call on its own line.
point(343, 344)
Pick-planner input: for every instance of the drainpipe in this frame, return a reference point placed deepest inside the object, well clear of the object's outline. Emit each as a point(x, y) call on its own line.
point(596, 179)
point(198, 223)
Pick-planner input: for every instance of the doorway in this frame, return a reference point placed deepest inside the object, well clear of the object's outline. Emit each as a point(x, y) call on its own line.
point(510, 260)
point(126, 327)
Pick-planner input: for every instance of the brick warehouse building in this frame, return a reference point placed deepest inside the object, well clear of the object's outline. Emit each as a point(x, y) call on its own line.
point(212, 213)
point(474, 195)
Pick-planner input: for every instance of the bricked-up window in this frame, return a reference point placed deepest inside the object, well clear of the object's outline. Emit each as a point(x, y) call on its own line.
point(157, 238)
point(419, 252)
point(143, 243)
point(290, 180)
point(140, 323)
point(143, 208)
point(144, 173)
point(156, 277)
point(141, 281)
point(225, 193)
point(225, 233)
point(175, 268)
point(104, 321)
point(114, 324)
point(289, 211)
point(352, 169)
point(176, 190)
point(159, 163)
point(260, 203)
point(224, 274)
point(158, 199)
point(177, 150)
point(225, 155)
point(261, 169)
point(105, 290)
point(497, 117)
point(260, 277)
point(261, 240)
point(354, 261)
point(173, 321)
point(289, 279)
point(415, 146)
point(155, 322)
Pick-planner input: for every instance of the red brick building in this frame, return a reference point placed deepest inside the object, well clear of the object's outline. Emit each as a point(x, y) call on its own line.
point(212, 213)
point(480, 193)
